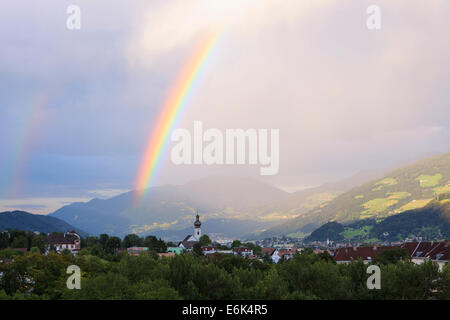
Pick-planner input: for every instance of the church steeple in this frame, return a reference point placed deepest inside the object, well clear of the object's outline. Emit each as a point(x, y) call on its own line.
point(197, 223)
point(197, 228)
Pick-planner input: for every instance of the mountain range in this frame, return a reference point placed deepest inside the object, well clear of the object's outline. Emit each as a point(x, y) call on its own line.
point(239, 207)
point(229, 207)
point(431, 222)
point(403, 189)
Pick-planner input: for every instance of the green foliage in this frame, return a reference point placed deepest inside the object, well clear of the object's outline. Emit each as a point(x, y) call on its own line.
point(204, 240)
point(10, 253)
point(404, 280)
point(185, 276)
point(391, 256)
point(154, 244)
point(4, 240)
point(19, 242)
point(197, 249)
point(220, 276)
point(39, 242)
point(132, 240)
point(236, 243)
point(112, 244)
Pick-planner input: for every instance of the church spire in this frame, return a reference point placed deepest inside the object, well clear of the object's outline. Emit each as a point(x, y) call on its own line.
point(197, 227)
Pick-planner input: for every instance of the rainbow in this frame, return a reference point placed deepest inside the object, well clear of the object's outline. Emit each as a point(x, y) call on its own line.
point(27, 134)
point(171, 112)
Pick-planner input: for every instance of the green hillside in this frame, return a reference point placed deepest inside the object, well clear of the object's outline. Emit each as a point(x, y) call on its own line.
point(302, 201)
point(404, 189)
point(21, 220)
point(431, 222)
point(331, 230)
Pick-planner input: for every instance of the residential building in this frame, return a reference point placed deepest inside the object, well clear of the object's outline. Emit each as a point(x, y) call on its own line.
point(243, 251)
point(283, 253)
point(419, 252)
point(176, 250)
point(135, 251)
point(67, 240)
point(209, 250)
point(367, 254)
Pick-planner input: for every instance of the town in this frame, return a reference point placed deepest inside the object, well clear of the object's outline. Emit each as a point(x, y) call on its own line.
point(33, 266)
point(271, 250)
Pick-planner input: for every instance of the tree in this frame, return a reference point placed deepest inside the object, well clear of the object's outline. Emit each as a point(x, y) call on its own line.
point(20, 242)
point(17, 233)
point(267, 258)
point(4, 240)
point(132, 240)
point(391, 256)
point(91, 241)
point(103, 240)
point(404, 280)
point(162, 247)
point(110, 286)
point(236, 243)
point(155, 244)
point(204, 240)
point(151, 242)
point(66, 252)
point(112, 244)
point(155, 290)
point(197, 249)
point(39, 242)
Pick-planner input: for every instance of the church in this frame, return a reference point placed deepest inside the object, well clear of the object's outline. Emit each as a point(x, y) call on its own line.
point(190, 240)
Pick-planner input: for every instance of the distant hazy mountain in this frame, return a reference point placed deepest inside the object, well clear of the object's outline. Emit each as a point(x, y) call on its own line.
point(403, 189)
point(229, 207)
point(22, 220)
point(173, 207)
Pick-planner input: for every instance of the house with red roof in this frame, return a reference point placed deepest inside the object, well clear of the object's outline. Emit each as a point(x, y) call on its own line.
point(438, 252)
point(283, 253)
point(419, 252)
point(366, 254)
point(209, 250)
point(67, 240)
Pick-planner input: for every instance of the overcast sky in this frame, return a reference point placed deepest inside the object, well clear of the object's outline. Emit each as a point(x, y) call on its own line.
point(76, 107)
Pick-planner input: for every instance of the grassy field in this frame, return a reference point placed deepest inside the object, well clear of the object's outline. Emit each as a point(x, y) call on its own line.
point(364, 231)
point(427, 181)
